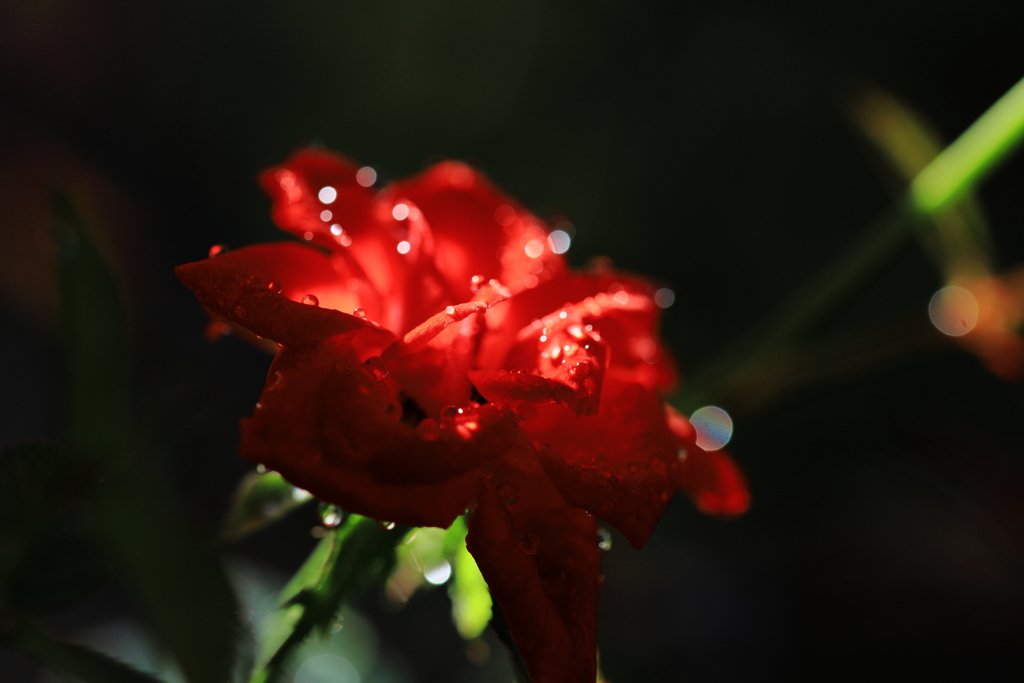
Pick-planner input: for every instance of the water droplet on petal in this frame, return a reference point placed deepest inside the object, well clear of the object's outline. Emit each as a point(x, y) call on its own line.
point(330, 515)
point(428, 430)
point(218, 249)
point(311, 300)
point(529, 543)
point(475, 283)
point(450, 310)
point(275, 287)
point(386, 526)
point(604, 538)
point(509, 494)
point(376, 367)
point(261, 469)
point(359, 313)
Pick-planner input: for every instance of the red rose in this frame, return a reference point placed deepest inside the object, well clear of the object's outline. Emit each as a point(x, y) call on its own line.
point(436, 355)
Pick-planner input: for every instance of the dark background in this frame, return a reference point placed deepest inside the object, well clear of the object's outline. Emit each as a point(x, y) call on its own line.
point(706, 144)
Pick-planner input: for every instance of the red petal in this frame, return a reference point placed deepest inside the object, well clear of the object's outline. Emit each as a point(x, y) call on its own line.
point(480, 231)
point(617, 465)
point(329, 426)
point(549, 598)
point(712, 479)
point(239, 285)
point(563, 351)
point(295, 186)
point(392, 252)
point(417, 338)
point(432, 361)
point(504, 385)
point(618, 307)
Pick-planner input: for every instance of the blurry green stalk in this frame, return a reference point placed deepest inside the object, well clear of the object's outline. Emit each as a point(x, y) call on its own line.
point(768, 361)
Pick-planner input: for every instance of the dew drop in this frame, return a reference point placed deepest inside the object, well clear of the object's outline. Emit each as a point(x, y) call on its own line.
point(529, 543)
point(275, 287)
point(330, 515)
point(604, 538)
point(386, 526)
point(428, 430)
point(475, 283)
point(450, 310)
point(311, 300)
point(376, 367)
point(261, 469)
point(217, 250)
point(359, 313)
point(509, 494)
point(449, 413)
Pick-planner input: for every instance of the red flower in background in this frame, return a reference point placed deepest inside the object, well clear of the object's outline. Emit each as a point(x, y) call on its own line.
point(436, 354)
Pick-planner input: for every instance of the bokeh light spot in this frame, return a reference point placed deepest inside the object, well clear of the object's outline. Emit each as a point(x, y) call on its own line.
point(713, 426)
point(403, 247)
point(664, 297)
point(534, 248)
point(953, 310)
point(438, 574)
point(400, 212)
point(559, 241)
point(327, 194)
point(366, 176)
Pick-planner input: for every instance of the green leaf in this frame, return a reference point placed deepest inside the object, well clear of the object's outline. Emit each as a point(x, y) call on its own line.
point(170, 570)
point(358, 552)
point(471, 599)
point(50, 556)
point(82, 662)
point(259, 500)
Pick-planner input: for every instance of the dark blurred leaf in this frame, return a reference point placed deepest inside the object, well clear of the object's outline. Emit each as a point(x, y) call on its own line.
point(82, 662)
point(358, 552)
point(172, 573)
point(259, 500)
point(49, 553)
